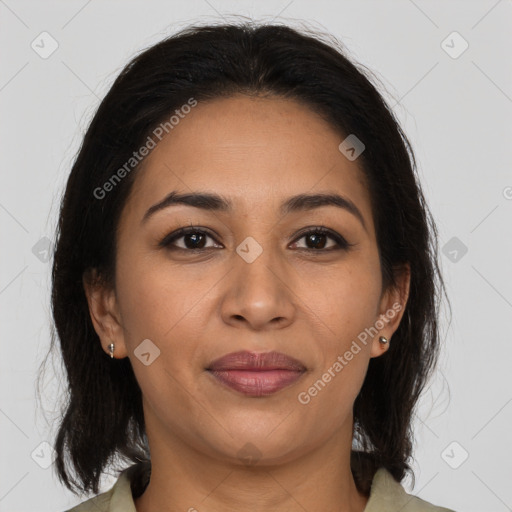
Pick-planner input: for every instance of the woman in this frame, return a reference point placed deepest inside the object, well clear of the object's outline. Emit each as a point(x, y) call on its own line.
point(245, 284)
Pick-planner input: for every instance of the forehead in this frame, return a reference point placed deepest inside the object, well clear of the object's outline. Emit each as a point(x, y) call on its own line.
point(256, 150)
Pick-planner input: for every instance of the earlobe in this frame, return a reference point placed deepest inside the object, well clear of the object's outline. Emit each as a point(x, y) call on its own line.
point(391, 311)
point(104, 313)
point(380, 346)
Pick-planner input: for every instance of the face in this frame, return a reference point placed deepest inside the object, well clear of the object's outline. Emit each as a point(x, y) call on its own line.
point(253, 272)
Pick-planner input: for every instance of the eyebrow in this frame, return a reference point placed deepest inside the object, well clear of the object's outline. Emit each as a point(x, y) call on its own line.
point(214, 202)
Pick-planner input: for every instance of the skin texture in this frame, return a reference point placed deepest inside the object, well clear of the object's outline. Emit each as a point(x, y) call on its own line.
point(198, 306)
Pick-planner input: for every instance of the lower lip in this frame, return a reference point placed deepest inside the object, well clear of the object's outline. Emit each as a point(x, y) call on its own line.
point(257, 383)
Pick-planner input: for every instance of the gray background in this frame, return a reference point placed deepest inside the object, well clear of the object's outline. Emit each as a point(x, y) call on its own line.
point(456, 110)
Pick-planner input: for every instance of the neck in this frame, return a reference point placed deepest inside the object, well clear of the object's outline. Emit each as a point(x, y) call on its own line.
point(184, 479)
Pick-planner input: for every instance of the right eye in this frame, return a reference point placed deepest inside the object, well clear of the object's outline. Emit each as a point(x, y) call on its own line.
point(193, 239)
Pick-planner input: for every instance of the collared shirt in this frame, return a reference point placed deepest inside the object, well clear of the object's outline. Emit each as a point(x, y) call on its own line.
point(386, 494)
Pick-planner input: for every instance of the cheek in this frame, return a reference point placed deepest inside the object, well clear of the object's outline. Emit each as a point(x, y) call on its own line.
point(157, 299)
point(343, 356)
point(170, 307)
point(343, 308)
point(343, 301)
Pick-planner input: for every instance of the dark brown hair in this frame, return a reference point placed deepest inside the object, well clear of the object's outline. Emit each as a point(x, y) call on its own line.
point(103, 417)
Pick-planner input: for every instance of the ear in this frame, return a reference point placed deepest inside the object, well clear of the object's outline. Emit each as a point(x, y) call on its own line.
point(104, 312)
point(391, 309)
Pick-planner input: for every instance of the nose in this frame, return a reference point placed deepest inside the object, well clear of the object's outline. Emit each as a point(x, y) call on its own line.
point(258, 295)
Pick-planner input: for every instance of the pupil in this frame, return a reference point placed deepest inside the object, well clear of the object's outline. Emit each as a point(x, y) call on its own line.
point(317, 240)
point(195, 237)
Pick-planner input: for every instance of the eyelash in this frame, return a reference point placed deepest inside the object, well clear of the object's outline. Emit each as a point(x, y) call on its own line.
point(167, 241)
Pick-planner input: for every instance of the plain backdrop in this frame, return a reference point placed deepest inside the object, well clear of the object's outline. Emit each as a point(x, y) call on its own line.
point(446, 69)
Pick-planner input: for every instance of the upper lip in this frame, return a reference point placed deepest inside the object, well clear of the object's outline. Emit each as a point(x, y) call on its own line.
point(252, 361)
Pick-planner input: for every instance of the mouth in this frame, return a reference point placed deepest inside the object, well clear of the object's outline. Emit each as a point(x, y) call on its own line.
point(256, 374)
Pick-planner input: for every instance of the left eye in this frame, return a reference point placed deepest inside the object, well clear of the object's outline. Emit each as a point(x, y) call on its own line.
point(317, 239)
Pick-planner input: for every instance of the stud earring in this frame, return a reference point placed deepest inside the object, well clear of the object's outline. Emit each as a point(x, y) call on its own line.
point(383, 340)
point(111, 350)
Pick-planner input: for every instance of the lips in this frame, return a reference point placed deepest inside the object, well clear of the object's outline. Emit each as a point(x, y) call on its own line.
point(256, 374)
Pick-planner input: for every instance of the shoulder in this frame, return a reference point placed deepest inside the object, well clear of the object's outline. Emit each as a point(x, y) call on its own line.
point(388, 495)
point(120, 497)
point(100, 503)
